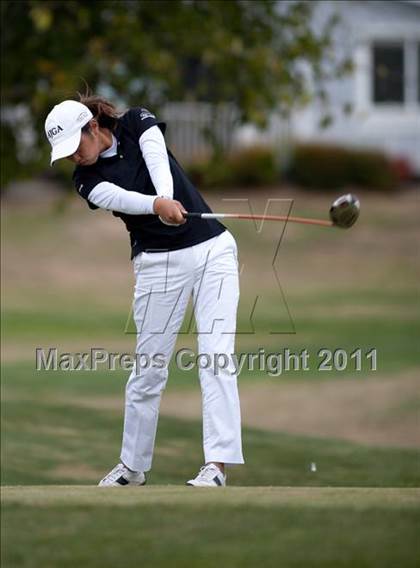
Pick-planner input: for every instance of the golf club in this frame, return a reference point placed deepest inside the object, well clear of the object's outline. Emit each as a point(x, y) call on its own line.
point(344, 212)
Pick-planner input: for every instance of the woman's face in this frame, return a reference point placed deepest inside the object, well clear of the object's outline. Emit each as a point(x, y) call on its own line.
point(91, 145)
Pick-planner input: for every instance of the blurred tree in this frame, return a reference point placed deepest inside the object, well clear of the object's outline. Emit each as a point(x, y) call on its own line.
point(259, 55)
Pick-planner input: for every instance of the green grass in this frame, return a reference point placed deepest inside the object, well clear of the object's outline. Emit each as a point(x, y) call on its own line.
point(240, 527)
point(59, 427)
point(49, 436)
point(58, 324)
point(343, 515)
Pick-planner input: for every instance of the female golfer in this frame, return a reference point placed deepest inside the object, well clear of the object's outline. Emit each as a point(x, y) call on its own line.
point(123, 165)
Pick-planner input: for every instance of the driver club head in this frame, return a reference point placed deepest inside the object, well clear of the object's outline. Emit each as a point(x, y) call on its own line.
point(345, 211)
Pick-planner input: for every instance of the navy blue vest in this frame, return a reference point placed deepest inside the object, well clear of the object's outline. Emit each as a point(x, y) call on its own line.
point(128, 170)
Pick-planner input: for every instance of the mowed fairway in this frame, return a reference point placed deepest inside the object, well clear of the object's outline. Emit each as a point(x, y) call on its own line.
point(243, 527)
point(70, 286)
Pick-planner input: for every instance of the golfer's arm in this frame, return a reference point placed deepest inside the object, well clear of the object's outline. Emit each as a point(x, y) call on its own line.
point(115, 198)
point(153, 148)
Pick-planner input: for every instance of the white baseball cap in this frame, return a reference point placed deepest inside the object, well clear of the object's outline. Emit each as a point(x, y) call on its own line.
point(63, 127)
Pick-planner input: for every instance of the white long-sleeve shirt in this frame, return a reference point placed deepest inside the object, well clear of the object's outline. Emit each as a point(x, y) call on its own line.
point(115, 198)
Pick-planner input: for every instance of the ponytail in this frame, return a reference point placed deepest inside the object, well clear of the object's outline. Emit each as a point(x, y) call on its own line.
point(103, 110)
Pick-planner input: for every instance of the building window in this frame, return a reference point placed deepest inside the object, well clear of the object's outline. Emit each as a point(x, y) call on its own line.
point(388, 73)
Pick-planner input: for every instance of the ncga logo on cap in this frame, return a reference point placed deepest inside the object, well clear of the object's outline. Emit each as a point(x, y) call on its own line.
point(54, 130)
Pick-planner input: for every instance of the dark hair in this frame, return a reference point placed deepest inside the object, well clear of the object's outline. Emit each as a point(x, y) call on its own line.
point(103, 111)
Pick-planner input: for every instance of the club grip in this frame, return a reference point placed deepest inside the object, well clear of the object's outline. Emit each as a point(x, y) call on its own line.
point(186, 215)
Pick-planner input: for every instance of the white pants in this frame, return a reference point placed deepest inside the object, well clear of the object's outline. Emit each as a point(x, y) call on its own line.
point(164, 283)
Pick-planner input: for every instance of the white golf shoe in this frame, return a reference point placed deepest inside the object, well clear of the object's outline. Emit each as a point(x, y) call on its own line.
point(208, 476)
point(121, 476)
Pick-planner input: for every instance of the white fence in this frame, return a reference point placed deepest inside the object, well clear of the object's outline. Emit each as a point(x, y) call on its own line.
point(188, 122)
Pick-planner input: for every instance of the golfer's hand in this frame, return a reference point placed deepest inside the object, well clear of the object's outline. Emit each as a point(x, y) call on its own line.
point(169, 211)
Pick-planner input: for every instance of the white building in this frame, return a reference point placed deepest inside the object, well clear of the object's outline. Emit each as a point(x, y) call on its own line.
point(383, 40)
